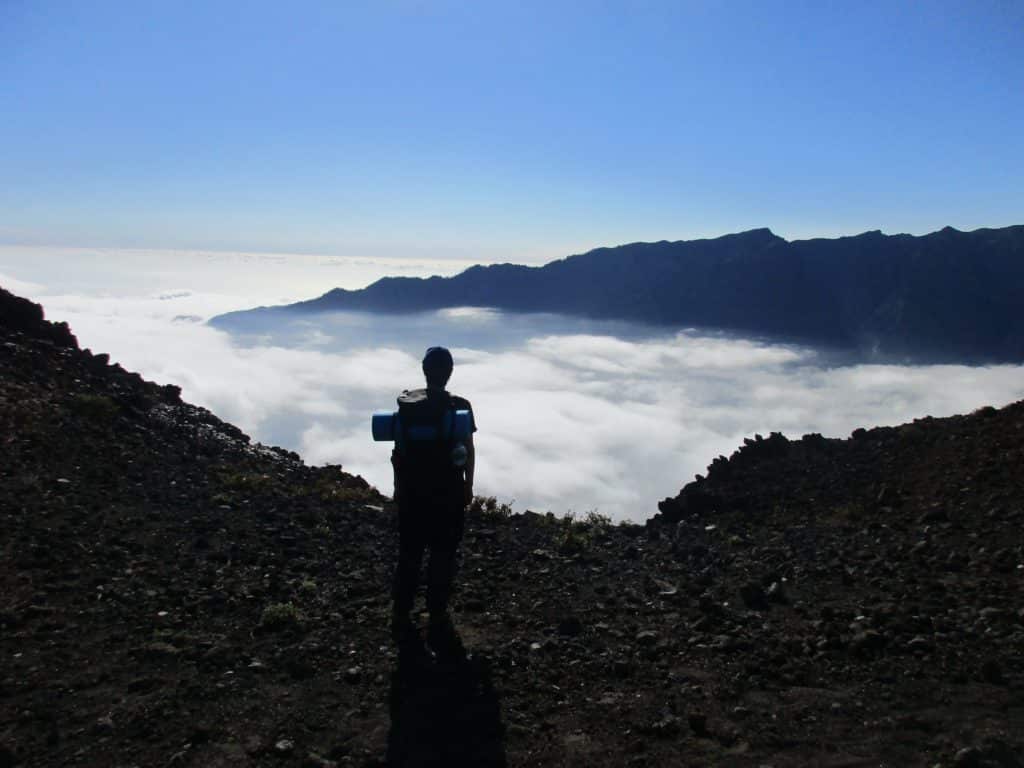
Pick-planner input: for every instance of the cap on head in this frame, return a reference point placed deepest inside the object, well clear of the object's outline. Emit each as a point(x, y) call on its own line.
point(437, 365)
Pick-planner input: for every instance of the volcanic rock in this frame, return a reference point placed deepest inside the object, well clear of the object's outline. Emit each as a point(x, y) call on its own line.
point(134, 599)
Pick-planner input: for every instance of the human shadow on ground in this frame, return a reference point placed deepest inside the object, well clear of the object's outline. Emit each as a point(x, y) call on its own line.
point(444, 709)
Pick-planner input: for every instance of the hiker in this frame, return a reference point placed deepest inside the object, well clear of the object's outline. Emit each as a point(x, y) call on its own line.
point(433, 485)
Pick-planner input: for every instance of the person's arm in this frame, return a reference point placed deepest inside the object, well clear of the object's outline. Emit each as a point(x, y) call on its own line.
point(394, 467)
point(470, 466)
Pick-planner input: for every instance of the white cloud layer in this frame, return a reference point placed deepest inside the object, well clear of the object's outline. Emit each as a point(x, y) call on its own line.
point(248, 279)
point(573, 414)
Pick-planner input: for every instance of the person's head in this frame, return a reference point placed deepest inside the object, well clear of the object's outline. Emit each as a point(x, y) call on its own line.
point(437, 367)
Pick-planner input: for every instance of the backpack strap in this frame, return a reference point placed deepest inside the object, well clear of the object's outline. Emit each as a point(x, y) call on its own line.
point(448, 429)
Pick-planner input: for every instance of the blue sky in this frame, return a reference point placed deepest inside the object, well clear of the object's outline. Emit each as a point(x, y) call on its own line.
point(520, 131)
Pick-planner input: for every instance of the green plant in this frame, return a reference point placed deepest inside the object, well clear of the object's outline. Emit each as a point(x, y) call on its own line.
point(577, 535)
point(488, 508)
point(571, 541)
point(573, 537)
point(280, 616)
point(850, 512)
point(249, 482)
point(597, 521)
point(332, 487)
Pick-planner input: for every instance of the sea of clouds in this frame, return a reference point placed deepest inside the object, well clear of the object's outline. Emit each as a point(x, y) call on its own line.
point(574, 415)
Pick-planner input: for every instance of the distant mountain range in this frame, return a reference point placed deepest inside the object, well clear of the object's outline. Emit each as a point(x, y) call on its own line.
point(946, 296)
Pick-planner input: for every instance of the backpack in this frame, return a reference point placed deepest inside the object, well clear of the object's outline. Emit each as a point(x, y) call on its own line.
point(426, 442)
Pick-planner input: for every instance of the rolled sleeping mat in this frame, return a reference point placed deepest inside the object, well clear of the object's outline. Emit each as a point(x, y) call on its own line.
point(384, 425)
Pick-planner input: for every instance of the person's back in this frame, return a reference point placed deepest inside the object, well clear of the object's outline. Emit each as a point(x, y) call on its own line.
point(433, 483)
point(429, 456)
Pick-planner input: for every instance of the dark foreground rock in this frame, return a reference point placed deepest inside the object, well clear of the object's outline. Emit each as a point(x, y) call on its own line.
point(173, 594)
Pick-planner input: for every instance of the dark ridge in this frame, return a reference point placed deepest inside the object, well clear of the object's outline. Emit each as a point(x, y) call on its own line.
point(23, 316)
point(945, 297)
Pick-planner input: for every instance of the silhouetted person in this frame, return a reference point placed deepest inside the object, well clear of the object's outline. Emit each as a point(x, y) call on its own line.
point(433, 485)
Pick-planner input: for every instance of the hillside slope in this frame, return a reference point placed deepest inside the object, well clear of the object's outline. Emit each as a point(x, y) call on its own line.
point(171, 594)
point(946, 296)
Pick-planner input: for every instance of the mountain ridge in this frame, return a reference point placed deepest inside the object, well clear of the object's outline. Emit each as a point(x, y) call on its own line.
point(948, 296)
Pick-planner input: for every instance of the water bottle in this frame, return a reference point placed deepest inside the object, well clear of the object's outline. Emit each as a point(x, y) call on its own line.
point(459, 455)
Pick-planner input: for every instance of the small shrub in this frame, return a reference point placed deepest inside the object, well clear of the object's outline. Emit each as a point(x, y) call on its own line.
point(548, 520)
point(574, 537)
point(488, 508)
point(251, 482)
point(596, 521)
point(578, 535)
point(336, 487)
point(572, 541)
point(280, 616)
point(307, 587)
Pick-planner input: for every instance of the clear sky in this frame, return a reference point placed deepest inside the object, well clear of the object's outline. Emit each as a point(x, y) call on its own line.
point(516, 130)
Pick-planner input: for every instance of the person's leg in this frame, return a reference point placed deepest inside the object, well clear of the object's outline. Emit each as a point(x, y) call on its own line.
point(444, 545)
point(411, 543)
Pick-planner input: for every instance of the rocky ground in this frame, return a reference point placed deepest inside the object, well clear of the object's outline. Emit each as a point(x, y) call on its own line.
point(175, 595)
